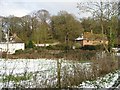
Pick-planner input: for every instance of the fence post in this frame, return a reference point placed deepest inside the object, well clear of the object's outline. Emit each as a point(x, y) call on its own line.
point(58, 74)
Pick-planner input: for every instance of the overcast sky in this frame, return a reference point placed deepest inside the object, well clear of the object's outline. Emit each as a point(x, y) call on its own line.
point(23, 7)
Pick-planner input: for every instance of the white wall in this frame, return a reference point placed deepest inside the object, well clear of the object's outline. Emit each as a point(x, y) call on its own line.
point(42, 45)
point(12, 47)
point(47, 44)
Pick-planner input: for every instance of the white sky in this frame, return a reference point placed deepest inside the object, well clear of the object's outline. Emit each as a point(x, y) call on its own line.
point(23, 7)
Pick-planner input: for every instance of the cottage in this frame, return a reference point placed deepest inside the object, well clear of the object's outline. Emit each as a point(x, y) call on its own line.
point(15, 43)
point(11, 47)
point(89, 38)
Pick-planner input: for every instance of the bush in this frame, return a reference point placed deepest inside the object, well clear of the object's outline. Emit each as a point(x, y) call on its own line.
point(4, 54)
point(58, 47)
point(99, 47)
point(19, 51)
point(88, 55)
point(118, 51)
point(30, 44)
point(28, 50)
point(88, 47)
point(77, 45)
point(91, 47)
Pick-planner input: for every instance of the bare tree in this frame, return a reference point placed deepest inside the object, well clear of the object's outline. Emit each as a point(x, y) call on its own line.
point(102, 11)
point(118, 23)
point(43, 15)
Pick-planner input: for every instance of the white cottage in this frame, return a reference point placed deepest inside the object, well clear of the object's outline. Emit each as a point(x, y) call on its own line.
point(15, 43)
point(11, 47)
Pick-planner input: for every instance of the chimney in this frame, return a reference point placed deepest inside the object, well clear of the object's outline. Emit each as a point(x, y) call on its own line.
point(91, 31)
point(82, 35)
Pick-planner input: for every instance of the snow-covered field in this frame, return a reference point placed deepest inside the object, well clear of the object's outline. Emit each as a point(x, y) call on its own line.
point(30, 65)
point(44, 73)
point(102, 82)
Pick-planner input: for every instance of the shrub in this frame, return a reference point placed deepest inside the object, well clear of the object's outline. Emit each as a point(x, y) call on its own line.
point(88, 55)
point(19, 51)
point(118, 51)
point(4, 54)
point(77, 45)
point(50, 47)
point(99, 47)
point(58, 47)
point(30, 44)
point(28, 50)
point(91, 47)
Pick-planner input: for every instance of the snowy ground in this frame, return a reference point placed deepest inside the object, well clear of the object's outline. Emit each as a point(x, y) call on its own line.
point(45, 73)
point(43, 69)
point(102, 82)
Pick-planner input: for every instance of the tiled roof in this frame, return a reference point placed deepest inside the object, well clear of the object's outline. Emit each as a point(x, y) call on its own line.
point(16, 38)
point(92, 36)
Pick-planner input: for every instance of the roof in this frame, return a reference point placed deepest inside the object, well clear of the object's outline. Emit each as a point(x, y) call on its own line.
point(92, 36)
point(16, 39)
point(79, 39)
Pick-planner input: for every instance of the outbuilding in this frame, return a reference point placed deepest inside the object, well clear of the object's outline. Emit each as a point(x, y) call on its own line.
point(89, 38)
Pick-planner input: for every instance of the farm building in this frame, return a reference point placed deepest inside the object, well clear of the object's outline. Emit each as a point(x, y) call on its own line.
point(89, 38)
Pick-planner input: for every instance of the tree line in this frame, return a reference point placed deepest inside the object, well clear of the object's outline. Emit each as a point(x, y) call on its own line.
point(41, 27)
